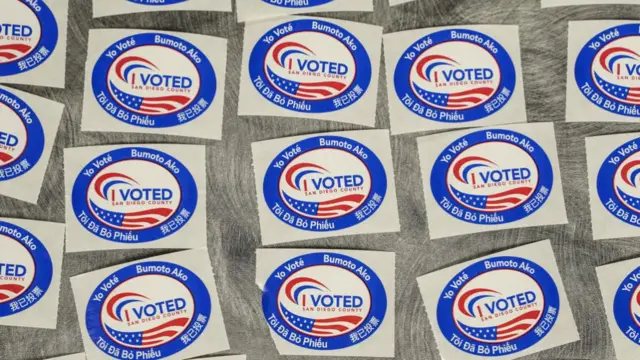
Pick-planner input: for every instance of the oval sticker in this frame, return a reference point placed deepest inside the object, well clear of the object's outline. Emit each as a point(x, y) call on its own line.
point(325, 183)
point(310, 66)
point(455, 75)
point(498, 306)
point(28, 36)
point(145, 310)
point(618, 182)
point(21, 137)
point(154, 80)
point(492, 177)
point(26, 269)
point(607, 70)
point(324, 301)
point(134, 195)
point(626, 307)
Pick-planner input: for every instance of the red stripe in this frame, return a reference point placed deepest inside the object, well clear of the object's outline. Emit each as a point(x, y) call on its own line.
point(306, 96)
point(14, 288)
point(318, 332)
point(349, 318)
point(175, 322)
point(510, 200)
point(354, 198)
point(167, 107)
point(156, 211)
point(4, 157)
point(521, 191)
point(151, 110)
point(279, 48)
point(332, 84)
point(148, 220)
point(3, 296)
point(456, 106)
point(7, 55)
point(115, 299)
point(426, 59)
point(473, 100)
point(605, 55)
point(127, 60)
point(151, 342)
point(23, 48)
point(461, 163)
point(297, 281)
point(483, 90)
point(327, 213)
point(314, 91)
point(177, 98)
point(495, 207)
point(463, 299)
point(337, 207)
point(168, 333)
point(297, 167)
point(526, 316)
point(331, 327)
point(514, 329)
point(98, 185)
point(132, 226)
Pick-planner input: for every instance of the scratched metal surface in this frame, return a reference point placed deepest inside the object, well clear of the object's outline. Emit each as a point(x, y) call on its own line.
point(233, 220)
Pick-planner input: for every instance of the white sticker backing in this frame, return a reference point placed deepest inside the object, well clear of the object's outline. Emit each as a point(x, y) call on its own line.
point(27, 133)
point(621, 294)
point(311, 68)
point(33, 42)
point(491, 179)
point(398, 2)
point(155, 82)
point(117, 7)
point(324, 185)
point(232, 357)
point(552, 3)
point(454, 77)
point(250, 10)
point(70, 357)
point(613, 163)
point(603, 81)
point(505, 305)
point(30, 269)
point(135, 196)
point(328, 302)
point(165, 307)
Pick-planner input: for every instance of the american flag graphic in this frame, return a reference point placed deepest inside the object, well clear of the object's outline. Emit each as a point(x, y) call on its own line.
point(128, 220)
point(155, 336)
point(295, 179)
point(10, 291)
point(499, 201)
point(321, 327)
point(508, 330)
point(629, 174)
point(11, 52)
point(317, 90)
point(159, 105)
point(628, 94)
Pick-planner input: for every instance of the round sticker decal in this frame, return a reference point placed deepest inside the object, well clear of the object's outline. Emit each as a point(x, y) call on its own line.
point(607, 70)
point(26, 269)
point(310, 66)
point(28, 35)
point(146, 309)
point(157, 2)
point(454, 76)
point(626, 306)
point(498, 306)
point(618, 182)
point(154, 80)
point(319, 300)
point(21, 137)
point(325, 183)
point(134, 195)
point(297, 4)
point(492, 177)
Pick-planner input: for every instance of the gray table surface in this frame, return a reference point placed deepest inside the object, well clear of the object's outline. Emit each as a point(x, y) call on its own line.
point(233, 221)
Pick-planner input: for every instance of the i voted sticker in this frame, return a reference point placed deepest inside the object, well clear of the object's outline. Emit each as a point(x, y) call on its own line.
point(455, 75)
point(148, 310)
point(310, 66)
point(134, 195)
point(154, 80)
point(28, 36)
point(607, 70)
point(26, 270)
point(22, 138)
point(617, 183)
point(324, 301)
point(626, 307)
point(492, 177)
point(325, 183)
point(498, 306)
